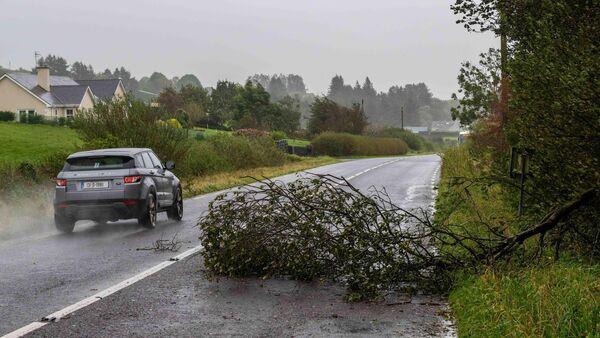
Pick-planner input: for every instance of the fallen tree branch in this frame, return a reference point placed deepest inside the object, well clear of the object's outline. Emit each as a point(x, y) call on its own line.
point(321, 226)
point(549, 221)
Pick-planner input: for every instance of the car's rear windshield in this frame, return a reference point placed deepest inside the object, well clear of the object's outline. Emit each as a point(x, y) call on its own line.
point(98, 163)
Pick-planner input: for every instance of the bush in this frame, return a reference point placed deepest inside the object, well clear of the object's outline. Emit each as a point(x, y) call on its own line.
point(35, 119)
point(174, 123)
point(341, 144)
point(248, 152)
point(15, 175)
point(249, 132)
point(7, 116)
point(200, 136)
point(278, 135)
point(414, 141)
point(130, 123)
point(224, 152)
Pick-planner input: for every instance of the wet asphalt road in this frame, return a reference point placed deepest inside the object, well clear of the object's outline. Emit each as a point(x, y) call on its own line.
point(47, 271)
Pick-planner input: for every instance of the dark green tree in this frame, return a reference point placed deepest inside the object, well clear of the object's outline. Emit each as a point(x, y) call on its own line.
point(57, 65)
point(81, 71)
point(188, 80)
point(479, 88)
point(221, 106)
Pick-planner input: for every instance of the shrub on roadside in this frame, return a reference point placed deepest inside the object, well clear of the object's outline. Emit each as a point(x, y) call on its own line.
point(7, 116)
point(130, 123)
point(414, 141)
point(342, 144)
point(249, 132)
point(248, 152)
point(278, 135)
point(229, 152)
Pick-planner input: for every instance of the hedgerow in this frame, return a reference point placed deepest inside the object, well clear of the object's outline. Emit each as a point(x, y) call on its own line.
point(342, 144)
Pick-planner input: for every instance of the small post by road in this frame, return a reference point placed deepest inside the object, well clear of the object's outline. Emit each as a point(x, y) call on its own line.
point(520, 158)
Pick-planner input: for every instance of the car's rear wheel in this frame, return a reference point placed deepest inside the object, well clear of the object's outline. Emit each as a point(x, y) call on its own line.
point(64, 223)
point(148, 217)
point(175, 212)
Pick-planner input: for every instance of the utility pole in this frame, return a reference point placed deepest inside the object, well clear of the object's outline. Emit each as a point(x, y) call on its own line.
point(402, 117)
point(362, 105)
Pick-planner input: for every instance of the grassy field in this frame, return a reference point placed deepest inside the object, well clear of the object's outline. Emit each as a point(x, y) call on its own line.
point(225, 180)
point(211, 132)
point(31, 142)
point(207, 132)
point(297, 143)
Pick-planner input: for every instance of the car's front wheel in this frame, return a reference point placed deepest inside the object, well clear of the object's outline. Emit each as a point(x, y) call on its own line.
point(64, 223)
point(175, 212)
point(148, 217)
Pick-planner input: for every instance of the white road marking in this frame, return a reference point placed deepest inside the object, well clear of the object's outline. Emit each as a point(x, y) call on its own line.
point(372, 168)
point(58, 315)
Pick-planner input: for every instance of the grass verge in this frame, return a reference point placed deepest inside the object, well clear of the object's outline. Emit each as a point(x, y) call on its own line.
point(544, 298)
point(224, 180)
point(557, 300)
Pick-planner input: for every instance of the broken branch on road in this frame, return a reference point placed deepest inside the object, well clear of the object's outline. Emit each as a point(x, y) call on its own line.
point(161, 244)
point(321, 226)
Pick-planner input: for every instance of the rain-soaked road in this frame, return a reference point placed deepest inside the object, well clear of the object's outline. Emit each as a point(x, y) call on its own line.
point(47, 271)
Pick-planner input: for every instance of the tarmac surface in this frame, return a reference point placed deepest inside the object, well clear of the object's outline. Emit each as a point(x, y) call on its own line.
point(46, 271)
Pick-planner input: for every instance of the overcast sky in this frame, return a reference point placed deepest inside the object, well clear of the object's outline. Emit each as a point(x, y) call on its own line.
point(391, 41)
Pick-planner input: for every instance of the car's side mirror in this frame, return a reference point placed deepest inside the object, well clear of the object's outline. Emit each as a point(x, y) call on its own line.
point(170, 165)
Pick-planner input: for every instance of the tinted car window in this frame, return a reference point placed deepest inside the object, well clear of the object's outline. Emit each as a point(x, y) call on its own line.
point(155, 160)
point(147, 161)
point(99, 163)
point(139, 161)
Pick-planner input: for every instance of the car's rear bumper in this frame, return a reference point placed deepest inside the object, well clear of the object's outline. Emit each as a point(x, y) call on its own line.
point(108, 210)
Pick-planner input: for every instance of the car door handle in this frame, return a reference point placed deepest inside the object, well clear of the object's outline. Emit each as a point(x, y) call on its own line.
point(151, 172)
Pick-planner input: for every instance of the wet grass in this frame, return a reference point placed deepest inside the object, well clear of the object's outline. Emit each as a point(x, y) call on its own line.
point(560, 299)
point(224, 180)
point(544, 298)
point(32, 142)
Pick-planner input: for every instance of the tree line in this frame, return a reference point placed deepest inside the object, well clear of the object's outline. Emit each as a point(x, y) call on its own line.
point(279, 101)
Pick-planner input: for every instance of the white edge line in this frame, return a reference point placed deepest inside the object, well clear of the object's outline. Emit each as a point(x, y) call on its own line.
point(24, 330)
point(56, 316)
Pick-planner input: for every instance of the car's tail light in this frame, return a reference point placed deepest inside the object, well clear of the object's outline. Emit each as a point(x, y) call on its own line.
point(130, 202)
point(61, 182)
point(132, 179)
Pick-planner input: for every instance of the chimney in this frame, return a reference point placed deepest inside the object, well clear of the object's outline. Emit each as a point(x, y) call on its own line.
point(43, 77)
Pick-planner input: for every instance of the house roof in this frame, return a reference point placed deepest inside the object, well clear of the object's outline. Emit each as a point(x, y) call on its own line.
point(103, 89)
point(64, 91)
point(69, 95)
point(30, 80)
point(416, 129)
point(445, 126)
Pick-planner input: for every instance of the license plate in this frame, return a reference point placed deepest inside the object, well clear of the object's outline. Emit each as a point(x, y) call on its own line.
point(95, 185)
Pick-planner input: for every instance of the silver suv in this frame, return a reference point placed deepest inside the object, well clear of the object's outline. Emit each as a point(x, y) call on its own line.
point(112, 184)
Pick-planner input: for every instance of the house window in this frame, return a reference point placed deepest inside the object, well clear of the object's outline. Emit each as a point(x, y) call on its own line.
point(26, 114)
point(69, 113)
